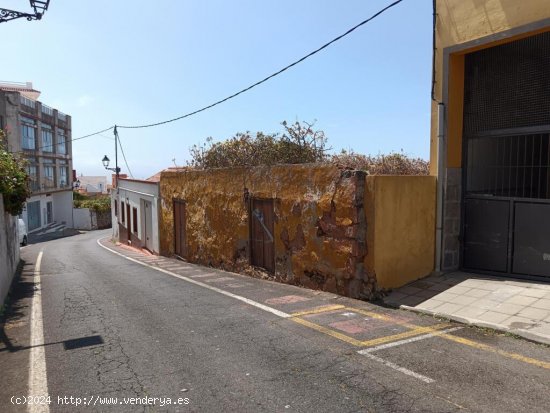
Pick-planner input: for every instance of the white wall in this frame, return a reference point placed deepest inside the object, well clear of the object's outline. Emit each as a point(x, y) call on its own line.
point(82, 219)
point(63, 207)
point(62, 204)
point(9, 250)
point(132, 192)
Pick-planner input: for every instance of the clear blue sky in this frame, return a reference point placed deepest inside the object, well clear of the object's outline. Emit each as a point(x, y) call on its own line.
point(106, 62)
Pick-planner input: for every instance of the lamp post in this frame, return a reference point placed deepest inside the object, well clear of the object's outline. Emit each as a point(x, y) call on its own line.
point(106, 160)
point(39, 7)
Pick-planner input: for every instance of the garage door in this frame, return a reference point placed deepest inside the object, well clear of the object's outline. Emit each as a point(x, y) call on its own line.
point(506, 187)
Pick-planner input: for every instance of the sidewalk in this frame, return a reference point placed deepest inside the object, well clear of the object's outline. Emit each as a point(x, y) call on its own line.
point(511, 305)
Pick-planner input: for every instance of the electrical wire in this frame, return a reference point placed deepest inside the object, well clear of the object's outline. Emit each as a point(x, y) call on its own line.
point(270, 76)
point(76, 139)
point(123, 155)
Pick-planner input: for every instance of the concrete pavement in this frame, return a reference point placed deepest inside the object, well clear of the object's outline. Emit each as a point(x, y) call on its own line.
point(516, 306)
point(159, 327)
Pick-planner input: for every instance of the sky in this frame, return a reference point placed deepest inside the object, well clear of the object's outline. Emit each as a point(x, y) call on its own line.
point(110, 62)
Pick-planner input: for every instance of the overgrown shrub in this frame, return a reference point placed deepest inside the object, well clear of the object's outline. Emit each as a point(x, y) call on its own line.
point(99, 204)
point(393, 164)
point(14, 181)
point(299, 143)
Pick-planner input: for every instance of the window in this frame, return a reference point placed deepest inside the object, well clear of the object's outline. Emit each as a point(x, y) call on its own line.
point(28, 127)
point(32, 171)
point(47, 110)
point(48, 181)
point(116, 208)
point(63, 174)
point(47, 138)
point(61, 142)
point(27, 102)
point(61, 116)
point(122, 211)
point(134, 219)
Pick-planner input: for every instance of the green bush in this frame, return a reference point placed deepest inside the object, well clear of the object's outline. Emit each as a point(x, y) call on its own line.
point(14, 181)
point(101, 204)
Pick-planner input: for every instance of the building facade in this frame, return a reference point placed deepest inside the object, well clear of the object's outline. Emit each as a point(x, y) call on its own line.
point(134, 213)
point(490, 136)
point(43, 135)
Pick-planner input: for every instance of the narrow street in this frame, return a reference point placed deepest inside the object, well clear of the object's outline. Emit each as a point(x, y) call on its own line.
point(120, 328)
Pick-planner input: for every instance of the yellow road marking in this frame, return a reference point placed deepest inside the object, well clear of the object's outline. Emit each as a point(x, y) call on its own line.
point(318, 310)
point(411, 333)
point(328, 331)
point(481, 346)
point(415, 330)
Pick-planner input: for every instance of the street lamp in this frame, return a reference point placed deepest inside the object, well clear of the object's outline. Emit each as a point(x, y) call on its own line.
point(39, 7)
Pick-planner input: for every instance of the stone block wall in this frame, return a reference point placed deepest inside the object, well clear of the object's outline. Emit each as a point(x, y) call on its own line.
point(452, 219)
point(319, 222)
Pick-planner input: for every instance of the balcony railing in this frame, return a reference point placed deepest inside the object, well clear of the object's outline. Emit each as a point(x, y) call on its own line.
point(34, 185)
point(47, 183)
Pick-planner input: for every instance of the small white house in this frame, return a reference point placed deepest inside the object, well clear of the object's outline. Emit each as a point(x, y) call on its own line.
point(135, 210)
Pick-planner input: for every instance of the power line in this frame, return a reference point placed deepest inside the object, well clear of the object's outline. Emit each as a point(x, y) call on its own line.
point(123, 155)
point(76, 139)
point(270, 76)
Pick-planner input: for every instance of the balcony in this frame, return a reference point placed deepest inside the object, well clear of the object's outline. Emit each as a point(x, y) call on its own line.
point(47, 183)
point(34, 185)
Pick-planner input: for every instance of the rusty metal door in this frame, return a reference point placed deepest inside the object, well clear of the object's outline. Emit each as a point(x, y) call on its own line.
point(180, 243)
point(262, 245)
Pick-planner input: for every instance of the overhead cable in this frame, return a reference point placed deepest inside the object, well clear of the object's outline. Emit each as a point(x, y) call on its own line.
point(268, 77)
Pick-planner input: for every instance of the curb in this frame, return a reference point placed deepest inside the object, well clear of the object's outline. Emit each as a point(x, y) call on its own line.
point(526, 334)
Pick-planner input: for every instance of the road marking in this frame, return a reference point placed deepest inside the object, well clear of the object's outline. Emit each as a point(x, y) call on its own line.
point(318, 310)
point(328, 331)
point(514, 356)
point(411, 333)
point(408, 340)
point(399, 368)
point(201, 284)
point(38, 378)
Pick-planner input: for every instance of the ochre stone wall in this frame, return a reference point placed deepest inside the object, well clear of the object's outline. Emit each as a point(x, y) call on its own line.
point(319, 230)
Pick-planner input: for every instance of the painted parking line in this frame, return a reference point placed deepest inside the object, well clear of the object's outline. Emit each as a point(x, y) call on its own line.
point(408, 340)
point(319, 310)
point(485, 347)
point(403, 370)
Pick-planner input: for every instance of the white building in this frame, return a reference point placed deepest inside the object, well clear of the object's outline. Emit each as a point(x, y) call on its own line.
point(93, 184)
point(135, 207)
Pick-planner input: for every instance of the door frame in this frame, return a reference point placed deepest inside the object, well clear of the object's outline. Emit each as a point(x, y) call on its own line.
point(250, 230)
point(184, 241)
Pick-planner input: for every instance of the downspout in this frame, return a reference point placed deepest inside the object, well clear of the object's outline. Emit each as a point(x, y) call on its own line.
point(441, 151)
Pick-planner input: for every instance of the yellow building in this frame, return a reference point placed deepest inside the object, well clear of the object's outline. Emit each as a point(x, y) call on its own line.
point(490, 136)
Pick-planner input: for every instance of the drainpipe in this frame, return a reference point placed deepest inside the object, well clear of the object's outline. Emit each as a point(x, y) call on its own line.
point(441, 153)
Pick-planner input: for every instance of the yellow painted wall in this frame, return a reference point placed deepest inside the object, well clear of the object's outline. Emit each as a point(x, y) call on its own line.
point(400, 228)
point(462, 21)
point(317, 227)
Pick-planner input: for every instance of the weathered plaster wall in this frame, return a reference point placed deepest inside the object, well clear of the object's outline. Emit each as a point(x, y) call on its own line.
point(9, 250)
point(463, 21)
point(319, 228)
point(400, 211)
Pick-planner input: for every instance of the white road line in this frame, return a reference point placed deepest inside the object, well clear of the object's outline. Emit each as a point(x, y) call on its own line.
point(38, 379)
point(408, 340)
point(210, 287)
point(399, 368)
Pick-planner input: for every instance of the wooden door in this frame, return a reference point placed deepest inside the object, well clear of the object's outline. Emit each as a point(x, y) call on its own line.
point(128, 222)
point(262, 245)
point(180, 243)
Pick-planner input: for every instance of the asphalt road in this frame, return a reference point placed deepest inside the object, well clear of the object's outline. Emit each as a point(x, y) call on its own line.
point(114, 328)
